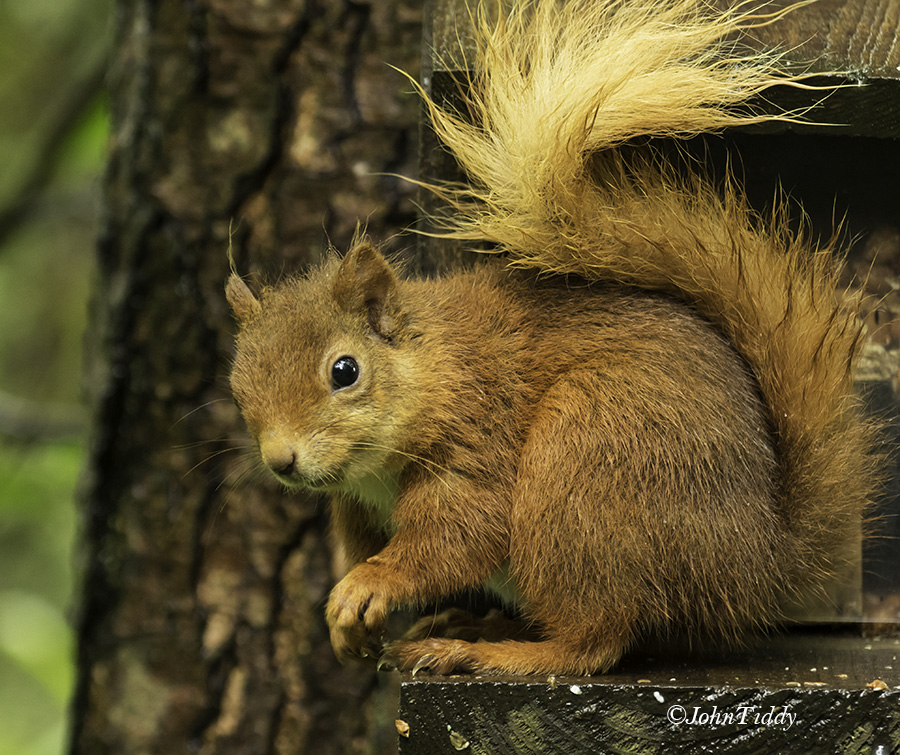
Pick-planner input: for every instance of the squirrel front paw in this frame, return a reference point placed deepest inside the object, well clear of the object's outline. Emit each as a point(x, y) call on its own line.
point(357, 610)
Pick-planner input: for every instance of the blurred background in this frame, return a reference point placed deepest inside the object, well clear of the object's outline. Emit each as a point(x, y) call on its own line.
point(53, 132)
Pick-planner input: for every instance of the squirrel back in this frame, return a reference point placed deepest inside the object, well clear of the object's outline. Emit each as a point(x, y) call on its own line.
point(648, 427)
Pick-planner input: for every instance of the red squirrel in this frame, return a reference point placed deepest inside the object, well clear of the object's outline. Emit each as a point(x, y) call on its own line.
point(638, 421)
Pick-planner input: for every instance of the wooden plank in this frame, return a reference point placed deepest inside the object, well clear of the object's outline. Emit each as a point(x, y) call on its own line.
point(859, 38)
point(801, 690)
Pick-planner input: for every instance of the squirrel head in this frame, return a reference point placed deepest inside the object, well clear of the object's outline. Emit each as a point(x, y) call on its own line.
point(319, 372)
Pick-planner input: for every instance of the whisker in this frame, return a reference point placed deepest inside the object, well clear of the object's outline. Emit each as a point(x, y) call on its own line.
point(428, 464)
point(197, 409)
point(238, 443)
point(248, 466)
point(210, 457)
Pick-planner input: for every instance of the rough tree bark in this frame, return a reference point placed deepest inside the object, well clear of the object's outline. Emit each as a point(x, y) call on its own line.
point(200, 622)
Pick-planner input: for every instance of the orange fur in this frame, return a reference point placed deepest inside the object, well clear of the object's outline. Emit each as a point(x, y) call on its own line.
point(660, 435)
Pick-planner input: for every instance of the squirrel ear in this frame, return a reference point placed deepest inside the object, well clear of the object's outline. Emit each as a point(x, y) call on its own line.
point(365, 281)
point(244, 305)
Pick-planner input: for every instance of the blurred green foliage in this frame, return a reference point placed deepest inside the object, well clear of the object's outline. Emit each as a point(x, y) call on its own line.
point(36, 530)
point(53, 133)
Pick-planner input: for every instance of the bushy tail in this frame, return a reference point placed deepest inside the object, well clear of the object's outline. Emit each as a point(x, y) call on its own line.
point(557, 89)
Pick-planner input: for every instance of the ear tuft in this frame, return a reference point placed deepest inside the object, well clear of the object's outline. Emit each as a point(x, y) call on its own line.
point(244, 305)
point(365, 282)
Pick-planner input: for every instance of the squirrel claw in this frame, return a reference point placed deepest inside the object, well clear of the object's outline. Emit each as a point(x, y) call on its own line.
point(423, 663)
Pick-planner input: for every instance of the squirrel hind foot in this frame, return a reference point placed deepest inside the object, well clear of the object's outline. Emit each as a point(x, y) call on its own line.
point(552, 656)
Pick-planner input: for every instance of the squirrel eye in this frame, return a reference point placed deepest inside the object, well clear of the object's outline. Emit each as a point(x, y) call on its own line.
point(344, 373)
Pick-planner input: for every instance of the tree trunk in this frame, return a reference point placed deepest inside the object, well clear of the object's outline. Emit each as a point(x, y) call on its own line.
point(201, 622)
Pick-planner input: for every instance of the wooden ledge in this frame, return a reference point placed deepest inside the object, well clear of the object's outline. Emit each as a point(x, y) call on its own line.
point(858, 37)
point(806, 691)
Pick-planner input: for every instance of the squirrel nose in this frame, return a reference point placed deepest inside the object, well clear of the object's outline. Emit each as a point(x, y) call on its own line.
point(281, 458)
point(283, 467)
